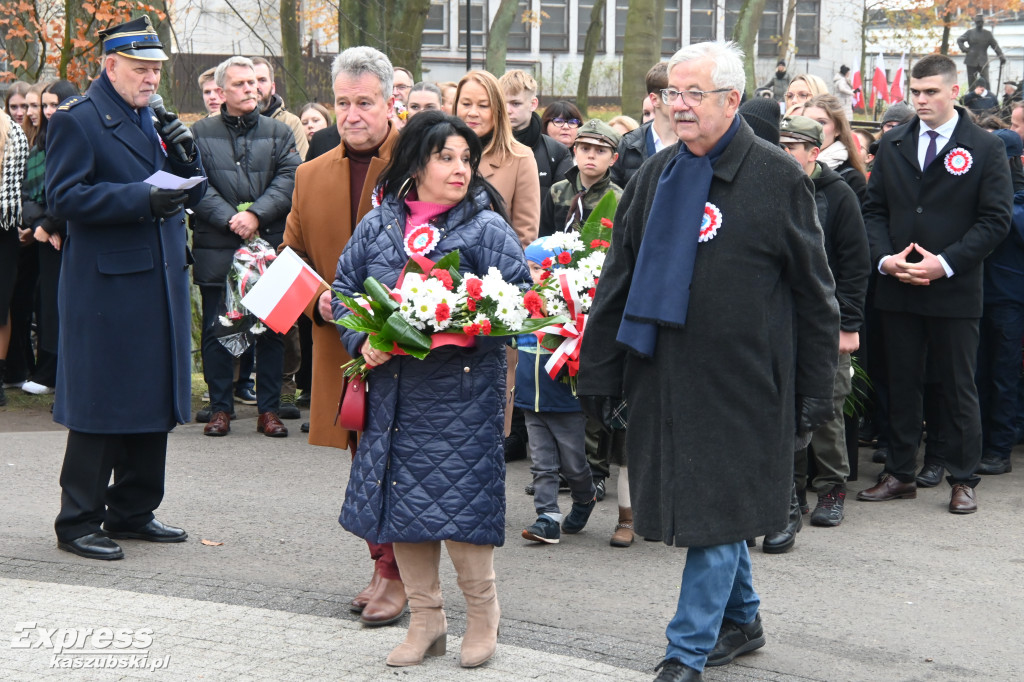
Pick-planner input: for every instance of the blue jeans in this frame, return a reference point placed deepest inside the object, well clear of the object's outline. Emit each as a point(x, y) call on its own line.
point(998, 376)
point(717, 584)
point(219, 364)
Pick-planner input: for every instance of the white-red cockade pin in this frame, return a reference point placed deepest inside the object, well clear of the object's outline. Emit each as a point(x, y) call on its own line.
point(958, 161)
point(710, 222)
point(422, 240)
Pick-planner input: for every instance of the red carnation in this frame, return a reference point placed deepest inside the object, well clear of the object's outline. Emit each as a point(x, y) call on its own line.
point(546, 263)
point(444, 277)
point(471, 305)
point(485, 327)
point(606, 223)
point(599, 244)
point(474, 288)
point(424, 276)
point(592, 292)
point(565, 258)
point(532, 302)
point(234, 315)
point(442, 312)
point(544, 275)
point(471, 329)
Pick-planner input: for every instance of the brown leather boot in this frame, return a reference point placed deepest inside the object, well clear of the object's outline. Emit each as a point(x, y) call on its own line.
point(386, 605)
point(362, 599)
point(428, 627)
point(623, 535)
point(474, 565)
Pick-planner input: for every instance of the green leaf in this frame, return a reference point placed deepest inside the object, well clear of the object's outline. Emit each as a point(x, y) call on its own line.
point(376, 291)
point(408, 338)
point(593, 229)
point(449, 261)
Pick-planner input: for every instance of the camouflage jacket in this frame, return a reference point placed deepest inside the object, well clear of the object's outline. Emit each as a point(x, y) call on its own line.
point(555, 207)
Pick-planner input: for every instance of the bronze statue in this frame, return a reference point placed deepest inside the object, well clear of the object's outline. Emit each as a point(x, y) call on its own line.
point(975, 43)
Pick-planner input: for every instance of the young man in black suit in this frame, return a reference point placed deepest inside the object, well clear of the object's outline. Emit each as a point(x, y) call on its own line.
point(939, 201)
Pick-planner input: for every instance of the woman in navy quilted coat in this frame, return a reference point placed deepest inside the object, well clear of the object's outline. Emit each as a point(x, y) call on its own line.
point(430, 462)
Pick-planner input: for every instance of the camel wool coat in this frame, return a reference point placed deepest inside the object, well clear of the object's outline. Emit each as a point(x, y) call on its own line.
point(317, 229)
point(517, 181)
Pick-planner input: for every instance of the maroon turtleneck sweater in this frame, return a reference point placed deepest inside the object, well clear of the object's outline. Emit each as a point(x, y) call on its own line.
point(358, 167)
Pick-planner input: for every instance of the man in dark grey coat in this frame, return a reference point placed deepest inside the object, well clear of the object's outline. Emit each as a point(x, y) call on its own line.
point(713, 364)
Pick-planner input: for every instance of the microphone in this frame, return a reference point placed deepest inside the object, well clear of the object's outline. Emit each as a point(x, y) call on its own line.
point(156, 103)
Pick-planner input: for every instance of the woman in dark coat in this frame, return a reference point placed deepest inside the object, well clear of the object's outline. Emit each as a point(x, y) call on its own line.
point(430, 462)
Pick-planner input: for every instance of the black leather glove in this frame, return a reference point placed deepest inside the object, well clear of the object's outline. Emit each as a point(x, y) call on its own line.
point(599, 408)
point(814, 413)
point(174, 132)
point(166, 202)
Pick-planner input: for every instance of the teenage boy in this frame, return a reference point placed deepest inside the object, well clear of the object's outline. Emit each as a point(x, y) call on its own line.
point(553, 159)
point(556, 427)
point(573, 199)
point(846, 246)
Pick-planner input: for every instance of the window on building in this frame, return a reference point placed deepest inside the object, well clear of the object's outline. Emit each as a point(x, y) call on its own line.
point(519, 33)
point(806, 27)
point(732, 16)
point(585, 7)
point(554, 26)
point(703, 19)
point(770, 31)
point(670, 40)
point(435, 28)
point(621, 10)
point(476, 25)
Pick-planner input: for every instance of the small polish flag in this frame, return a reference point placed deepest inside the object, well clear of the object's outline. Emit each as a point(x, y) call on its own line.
point(858, 97)
point(896, 93)
point(879, 86)
point(283, 292)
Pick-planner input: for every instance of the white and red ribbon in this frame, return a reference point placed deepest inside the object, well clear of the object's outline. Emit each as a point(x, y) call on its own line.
point(568, 352)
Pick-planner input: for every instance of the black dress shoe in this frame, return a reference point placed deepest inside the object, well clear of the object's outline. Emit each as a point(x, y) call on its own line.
point(783, 540)
point(154, 531)
point(930, 475)
point(93, 546)
point(993, 466)
point(736, 639)
point(879, 456)
point(674, 671)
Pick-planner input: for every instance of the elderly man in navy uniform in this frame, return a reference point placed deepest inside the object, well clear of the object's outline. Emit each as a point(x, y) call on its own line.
point(123, 379)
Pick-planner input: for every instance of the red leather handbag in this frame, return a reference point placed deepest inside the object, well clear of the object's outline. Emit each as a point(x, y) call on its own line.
point(352, 405)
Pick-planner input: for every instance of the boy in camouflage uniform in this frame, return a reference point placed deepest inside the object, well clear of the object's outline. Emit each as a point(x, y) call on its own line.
point(573, 199)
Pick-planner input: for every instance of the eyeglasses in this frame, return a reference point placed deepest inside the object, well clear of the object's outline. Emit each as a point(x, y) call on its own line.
point(566, 122)
point(403, 87)
point(691, 98)
point(800, 96)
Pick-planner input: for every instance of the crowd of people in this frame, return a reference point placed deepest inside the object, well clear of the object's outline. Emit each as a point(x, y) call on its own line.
point(716, 365)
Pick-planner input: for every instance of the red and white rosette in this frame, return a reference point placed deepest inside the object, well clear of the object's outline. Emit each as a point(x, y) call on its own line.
point(710, 223)
point(377, 197)
point(568, 352)
point(958, 161)
point(422, 240)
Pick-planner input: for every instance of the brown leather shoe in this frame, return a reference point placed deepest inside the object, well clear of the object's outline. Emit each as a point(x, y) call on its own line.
point(962, 500)
point(387, 604)
point(363, 598)
point(219, 424)
point(270, 425)
point(889, 488)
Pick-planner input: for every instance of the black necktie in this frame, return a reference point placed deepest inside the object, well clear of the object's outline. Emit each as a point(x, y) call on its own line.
point(929, 154)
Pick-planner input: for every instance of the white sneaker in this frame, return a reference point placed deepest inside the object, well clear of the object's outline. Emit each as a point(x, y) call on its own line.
point(36, 389)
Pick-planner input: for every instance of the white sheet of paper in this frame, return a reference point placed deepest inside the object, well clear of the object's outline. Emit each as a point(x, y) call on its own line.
point(165, 180)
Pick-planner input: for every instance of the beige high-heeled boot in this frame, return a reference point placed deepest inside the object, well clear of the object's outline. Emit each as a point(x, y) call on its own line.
point(474, 565)
point(428, 628)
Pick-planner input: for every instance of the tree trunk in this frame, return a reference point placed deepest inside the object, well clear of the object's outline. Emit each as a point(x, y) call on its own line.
point(361, 23)
point(787, 29)
point(745, 34)
point(589, 51)
point(643, 35)
point(404, 24)
point(497, 38)
point(291, 49)
point(946, 19)
point(163, 30)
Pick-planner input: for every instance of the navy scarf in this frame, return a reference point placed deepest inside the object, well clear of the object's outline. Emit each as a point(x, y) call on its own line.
point(659, 293)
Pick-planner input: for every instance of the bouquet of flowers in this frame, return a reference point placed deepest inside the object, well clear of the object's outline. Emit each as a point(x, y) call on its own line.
point(568, 285)
point(435, 305)
point(238, 326)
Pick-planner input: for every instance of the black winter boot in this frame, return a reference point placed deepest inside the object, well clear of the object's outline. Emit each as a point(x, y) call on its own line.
point(783, 540)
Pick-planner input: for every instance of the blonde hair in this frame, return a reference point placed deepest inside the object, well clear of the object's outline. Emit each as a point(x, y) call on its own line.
point(627, 122)
point(518, 81)
point(207, 76)
point(502, 144)
point(816, 85)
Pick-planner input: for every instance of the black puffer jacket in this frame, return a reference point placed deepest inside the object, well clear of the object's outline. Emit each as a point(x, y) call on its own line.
point(247, 158)
point(632, 154)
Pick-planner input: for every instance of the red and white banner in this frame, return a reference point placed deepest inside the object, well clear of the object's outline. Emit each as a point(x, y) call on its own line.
point(858, 95)
point(283, 292)
point(896, 93)
point(879, 86)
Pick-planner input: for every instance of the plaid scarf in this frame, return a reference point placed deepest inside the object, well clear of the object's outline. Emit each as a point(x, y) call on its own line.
point(34, 187)
point(15, 154)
